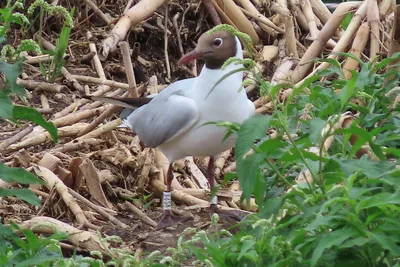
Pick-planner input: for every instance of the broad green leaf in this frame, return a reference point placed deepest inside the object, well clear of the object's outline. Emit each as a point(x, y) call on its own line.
point(250, 130)
point(269, 146)
point(370, 168)
point(386, 242)
point(319, 221)
point(259, 189)
point(31, 114)
point(24, 194)
point(316, 126)
point(248, 169)
point(378, 200)
point(12, 71)
point(358, 241)
point(247, 245)
point(19, 175)
point(6, 106)
point(335, 238)
point(392, 178)
point(357, 192)
point(43, 258)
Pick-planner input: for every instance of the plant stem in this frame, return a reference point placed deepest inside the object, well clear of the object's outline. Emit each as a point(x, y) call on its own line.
point(273, 167)
point(300, 155)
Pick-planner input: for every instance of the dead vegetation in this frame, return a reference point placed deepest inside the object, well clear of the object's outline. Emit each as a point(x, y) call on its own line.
point(99, 176)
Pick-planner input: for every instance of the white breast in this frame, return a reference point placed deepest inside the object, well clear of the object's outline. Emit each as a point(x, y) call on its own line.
point(225, 103)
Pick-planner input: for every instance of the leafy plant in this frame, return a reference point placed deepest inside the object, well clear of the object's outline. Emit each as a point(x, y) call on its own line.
point(9, 17)
point(347, 209)
point(57, 62)
point(29, 250)
point(11, 71)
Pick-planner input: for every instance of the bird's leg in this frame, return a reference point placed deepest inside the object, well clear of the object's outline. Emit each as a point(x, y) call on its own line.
point(227, 215)
point(211, 181)
point(168, 218)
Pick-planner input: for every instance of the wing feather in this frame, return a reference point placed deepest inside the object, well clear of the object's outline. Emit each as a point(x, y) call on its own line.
point(164, 118)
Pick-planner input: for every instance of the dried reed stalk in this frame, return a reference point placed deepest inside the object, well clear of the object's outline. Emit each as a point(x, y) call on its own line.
point(327, 31)
point(239, 19)
point(373, 19)
point(132, 17)
point(359, 44)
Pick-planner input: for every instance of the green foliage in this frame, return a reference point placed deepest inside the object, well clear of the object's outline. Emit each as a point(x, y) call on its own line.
point(31, 114)
point(58, 53)
point(346, 21)
point(54, 69)
point(349, 210)
point(345, 213)
point(8, 111)
point(11, 71)
point(29, 250)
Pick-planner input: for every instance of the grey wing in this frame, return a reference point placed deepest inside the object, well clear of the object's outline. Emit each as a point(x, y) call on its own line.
point(164, 118)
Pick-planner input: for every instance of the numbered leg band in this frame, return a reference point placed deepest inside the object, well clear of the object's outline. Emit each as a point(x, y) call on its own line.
point(214, 200)
point(167, 200)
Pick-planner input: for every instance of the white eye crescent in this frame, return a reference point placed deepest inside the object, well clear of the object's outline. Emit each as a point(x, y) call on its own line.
point(218, 41)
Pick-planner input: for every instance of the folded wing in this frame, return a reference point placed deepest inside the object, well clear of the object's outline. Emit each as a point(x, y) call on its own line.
point(167, 116)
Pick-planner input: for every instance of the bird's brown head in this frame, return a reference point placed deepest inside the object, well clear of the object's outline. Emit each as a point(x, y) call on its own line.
point(213, 48)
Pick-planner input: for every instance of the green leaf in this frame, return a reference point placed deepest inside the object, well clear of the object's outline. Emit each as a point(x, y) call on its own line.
point(248, 169)
point(19, 175)
point(348, 90)
point(367, 137)
point(6, 106)
point(247, 245)
point(358, 241)
point(320, 221)
point(308, 81)
point(12, 71)
point(385, 62)
point(386, 242)
point(334, 238)
point(316, 126)
point(24, 194)
point(250, 130)
point(272, 146)
point(349, 55)
point(371, 168)
point(31, 114)
point(346, 21)
point(392, 178)
point(379, 200)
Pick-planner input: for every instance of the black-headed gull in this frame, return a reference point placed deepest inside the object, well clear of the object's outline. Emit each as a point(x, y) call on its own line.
point(174, 120)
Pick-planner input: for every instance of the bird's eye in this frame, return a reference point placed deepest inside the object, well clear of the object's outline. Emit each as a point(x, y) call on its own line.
point(217, 41)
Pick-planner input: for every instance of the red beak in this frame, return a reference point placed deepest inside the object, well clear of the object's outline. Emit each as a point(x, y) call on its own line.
point(185, 59)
